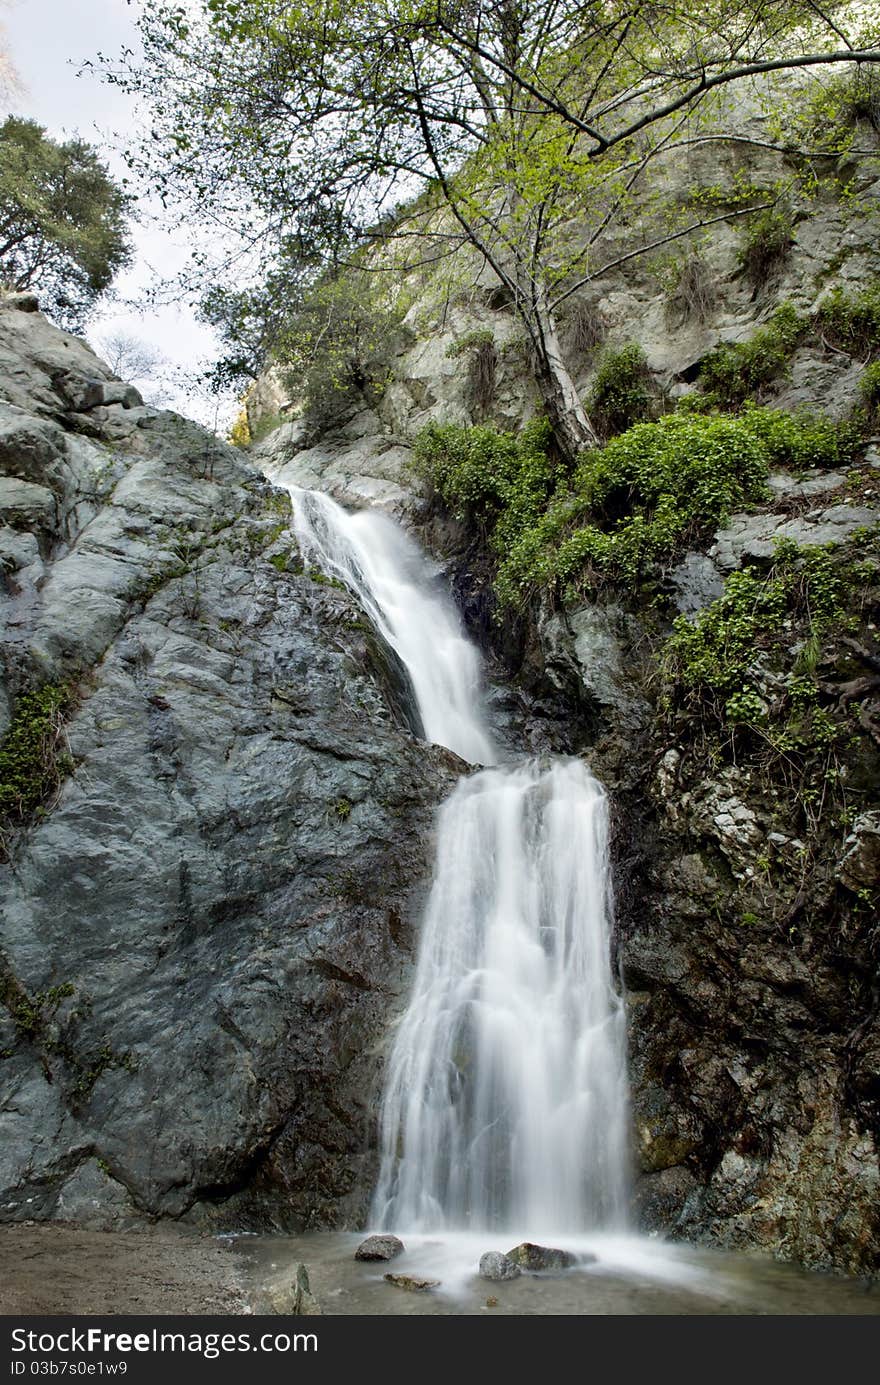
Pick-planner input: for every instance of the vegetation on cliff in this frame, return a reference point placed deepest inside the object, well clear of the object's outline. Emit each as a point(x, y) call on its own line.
point(511, 117)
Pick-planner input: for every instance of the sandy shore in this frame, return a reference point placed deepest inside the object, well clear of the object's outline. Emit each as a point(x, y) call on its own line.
point(60, 1269)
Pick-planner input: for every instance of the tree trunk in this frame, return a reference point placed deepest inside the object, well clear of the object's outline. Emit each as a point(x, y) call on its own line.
point(572, 429)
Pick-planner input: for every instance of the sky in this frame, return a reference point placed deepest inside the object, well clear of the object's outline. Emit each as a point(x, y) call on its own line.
point(48, 40)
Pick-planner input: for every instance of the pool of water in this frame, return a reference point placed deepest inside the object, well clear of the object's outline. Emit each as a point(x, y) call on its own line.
point(630, 1275)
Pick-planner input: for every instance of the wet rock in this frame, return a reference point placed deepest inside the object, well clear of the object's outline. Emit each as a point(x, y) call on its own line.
point(860, 864)
point(532, 1257)
point(495, 1265)
point(696, 582)
point(585, 649)
point(661, 1197)
point(379, 1248)
point(294, 1298)
point(412, 1284)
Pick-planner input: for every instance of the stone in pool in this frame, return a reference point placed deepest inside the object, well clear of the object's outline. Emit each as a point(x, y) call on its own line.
point(409, 1282)
point(379, 1248)
point(529, 1256)
point(494, 1265)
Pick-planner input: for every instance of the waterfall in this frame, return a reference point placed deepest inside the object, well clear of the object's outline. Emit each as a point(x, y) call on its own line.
point(505, 1098)
point(386, 572)
point(505, 1105)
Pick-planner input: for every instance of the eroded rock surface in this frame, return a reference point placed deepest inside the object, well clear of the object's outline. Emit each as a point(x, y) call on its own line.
point(203, 937)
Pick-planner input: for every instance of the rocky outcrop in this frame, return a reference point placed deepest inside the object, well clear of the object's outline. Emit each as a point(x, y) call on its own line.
point(205, 925)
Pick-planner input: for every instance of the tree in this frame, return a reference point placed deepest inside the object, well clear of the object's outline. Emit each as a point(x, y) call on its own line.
point(514, 115)
point(62, 221)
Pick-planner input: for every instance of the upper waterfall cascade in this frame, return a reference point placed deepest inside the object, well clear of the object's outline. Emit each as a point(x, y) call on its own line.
point(505, 1103)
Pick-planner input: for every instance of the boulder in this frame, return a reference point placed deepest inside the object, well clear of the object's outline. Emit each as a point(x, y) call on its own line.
point(495, 1265)
point(535, 1258)
point(379, 1248)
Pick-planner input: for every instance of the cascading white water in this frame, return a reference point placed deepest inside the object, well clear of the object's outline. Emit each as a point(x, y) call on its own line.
point(505, 1100)
point(386, 571)
point(505, 1104)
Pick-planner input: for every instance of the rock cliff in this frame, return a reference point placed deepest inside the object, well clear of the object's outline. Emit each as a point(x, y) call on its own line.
point(216, 836)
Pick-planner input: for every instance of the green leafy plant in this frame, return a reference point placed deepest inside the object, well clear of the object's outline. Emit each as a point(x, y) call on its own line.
point(637, 499)
point(620, 395)
point(852, 320)
point(736, 372)
point(766, 241)
point(499, 482)
point(732, 664)
point(869, 392)
point(33, 759)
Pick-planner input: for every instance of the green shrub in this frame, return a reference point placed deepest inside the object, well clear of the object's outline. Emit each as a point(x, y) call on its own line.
point(766, 242)
point(637, 499)
point(336, 349)
point(31, 762)
point(869, 391)
point(620, 396)
point(852, 320)
point(499, 482)
point(736, 372)
point(803, 439)
point(716, 665)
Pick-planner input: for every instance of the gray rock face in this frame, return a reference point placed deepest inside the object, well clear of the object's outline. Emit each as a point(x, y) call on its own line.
point(379, 1248)
point(203, 938)
point(754, 536)
point(497, 1266)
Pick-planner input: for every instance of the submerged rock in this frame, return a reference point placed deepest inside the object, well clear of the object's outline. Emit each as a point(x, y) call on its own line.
point(495, 1265)
point(294, 1298)
point(411, 1283)
point(536, 1258)
point(379, 1248)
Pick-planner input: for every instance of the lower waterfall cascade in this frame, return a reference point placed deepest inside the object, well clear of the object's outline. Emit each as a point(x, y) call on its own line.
point(505, 1104)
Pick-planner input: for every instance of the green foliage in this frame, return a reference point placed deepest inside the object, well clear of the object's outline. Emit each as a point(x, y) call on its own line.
point(803, 439)
point(620, 396)
point(852, 320)
point(337, 347)
point(829, 115)
point(732, 664)
point(869, 391)
point(471, 341)
point(62, 221)
point(32, 761)
point(766, 241)
point(736, 372)
point(499, 482)
point(637, 499)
